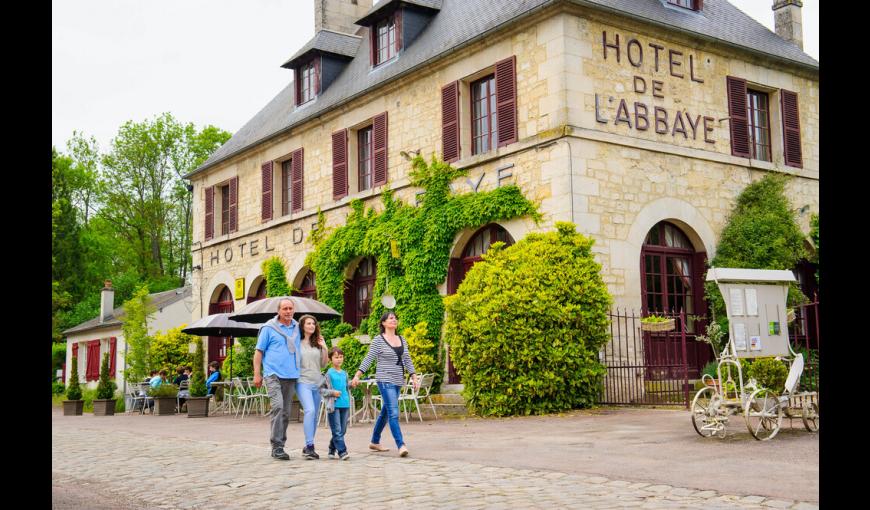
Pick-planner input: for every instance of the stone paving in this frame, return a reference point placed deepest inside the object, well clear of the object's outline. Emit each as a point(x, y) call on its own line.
point(171, 472)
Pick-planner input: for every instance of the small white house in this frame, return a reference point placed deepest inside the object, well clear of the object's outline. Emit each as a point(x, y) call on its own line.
point(89, 340)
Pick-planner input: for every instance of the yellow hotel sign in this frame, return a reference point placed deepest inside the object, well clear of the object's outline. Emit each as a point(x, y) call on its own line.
point(240, 288)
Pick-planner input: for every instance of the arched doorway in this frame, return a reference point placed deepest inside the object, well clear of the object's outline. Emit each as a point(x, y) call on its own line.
point(358, 292)
point(473, 253)
point(222, 303)
point(672, 273)
point(308, 287)
point(260, 293)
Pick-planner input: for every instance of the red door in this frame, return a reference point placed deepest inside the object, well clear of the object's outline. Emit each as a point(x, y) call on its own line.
point(472, 254)
point(217, 346)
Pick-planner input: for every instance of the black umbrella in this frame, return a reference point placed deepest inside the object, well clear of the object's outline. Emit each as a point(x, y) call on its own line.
point(265, 309)
point(219, 324)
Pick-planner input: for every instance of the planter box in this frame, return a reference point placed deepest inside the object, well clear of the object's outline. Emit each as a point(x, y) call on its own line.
point(73, 407)
point(668, 325)
point(197, 407)
point(165, 405)
point(104, 407)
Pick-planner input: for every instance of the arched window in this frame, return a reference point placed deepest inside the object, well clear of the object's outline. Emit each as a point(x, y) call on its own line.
point(308, 289)
point(358, 294)
point(260, 293)
point(217, 346)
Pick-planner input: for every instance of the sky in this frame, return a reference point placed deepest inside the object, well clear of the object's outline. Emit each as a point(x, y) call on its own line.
point(205, 61)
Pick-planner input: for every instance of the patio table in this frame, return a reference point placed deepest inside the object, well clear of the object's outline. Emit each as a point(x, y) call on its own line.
point(367, 412)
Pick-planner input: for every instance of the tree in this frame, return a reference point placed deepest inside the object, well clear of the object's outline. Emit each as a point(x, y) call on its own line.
point(197, 378)
point(134, 324)
point(74, 390)
point(170, 350)
point(527, 323)
point(106, 387)
point(761, 233)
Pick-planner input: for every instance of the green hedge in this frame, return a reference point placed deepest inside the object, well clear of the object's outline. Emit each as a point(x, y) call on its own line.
point(527, 323)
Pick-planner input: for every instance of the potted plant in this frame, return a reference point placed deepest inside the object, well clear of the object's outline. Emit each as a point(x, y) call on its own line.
point(104, 404)
point(713, 337)
point(197, 403)
point(73, 405)
point(165, 398)
point(657, 323)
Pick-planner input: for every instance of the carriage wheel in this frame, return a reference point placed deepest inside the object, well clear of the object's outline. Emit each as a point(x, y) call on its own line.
point(763, 414)
point(705, 413)
point(810, 416)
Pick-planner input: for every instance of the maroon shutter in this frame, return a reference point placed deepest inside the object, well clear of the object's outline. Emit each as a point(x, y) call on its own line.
point(92, 366)
point(379, 136)
point(296, 179)
point(63, 373)
point(450, 122)
point(506, 100)
point(699, 5)
point(339, 164)
point(113, 352)
point(75, 350)
point(297, 73)
point(791, 129)
point(267, 191)
point(398, 30)
point(284, 180)
point(737, 110)
point(234, 204)
point(209, 213)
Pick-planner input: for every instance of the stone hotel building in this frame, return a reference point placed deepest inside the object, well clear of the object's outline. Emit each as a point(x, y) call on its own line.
point(638, 120)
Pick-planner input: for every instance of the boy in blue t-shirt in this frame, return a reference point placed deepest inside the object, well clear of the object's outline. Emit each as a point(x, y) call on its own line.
point(338, 416)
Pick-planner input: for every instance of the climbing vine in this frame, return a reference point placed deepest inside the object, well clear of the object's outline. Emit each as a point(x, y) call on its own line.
point(424, 235)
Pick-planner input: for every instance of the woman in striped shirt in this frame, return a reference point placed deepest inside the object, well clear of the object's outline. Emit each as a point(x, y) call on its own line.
point(391, 352)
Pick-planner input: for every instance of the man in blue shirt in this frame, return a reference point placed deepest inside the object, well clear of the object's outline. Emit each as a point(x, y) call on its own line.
point(277, 351)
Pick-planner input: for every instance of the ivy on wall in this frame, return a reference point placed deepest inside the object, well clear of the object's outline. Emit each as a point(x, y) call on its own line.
point(424, 235)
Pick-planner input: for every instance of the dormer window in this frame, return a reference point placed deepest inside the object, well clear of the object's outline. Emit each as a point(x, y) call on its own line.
point(307, 81)
point(694, 5)
point(386, 38)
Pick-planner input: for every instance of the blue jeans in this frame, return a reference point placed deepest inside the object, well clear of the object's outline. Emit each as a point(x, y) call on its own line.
point(390, 411)
point(338, 425)
point(309, 397)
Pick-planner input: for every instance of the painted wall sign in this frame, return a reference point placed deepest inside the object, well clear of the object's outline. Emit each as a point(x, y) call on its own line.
point(652, 59)
point(250, 248)
point(240, 288)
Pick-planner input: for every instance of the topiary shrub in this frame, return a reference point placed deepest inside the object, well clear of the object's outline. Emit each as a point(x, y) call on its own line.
point(769, 373)
point(526, 326)
point(74, 391)
point(761, 233)
point(106, 387)
point(275, 273)
point(165, 390)
point(197, 386)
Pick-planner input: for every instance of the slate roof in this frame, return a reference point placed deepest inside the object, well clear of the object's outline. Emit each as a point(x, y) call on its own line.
point(461, 22)
point(384, 4)
point(329, 42)
point(158, 300)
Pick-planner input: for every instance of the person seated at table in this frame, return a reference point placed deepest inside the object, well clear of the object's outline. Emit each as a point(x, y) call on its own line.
point(213, 375)
point(181, 375)
point(159, 379)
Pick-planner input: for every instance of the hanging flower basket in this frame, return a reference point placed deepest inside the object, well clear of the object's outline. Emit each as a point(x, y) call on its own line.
point(659, 325)
point(789, 316)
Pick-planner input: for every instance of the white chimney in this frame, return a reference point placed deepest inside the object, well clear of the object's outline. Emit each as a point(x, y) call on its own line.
point(787, 21)
point(107, 300)
point(339, 15)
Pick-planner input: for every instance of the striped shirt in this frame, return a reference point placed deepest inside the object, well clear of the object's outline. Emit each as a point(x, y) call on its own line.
point(389, 369)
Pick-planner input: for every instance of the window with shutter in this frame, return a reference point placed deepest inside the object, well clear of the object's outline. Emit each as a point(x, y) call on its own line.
point(791, 129)
point(296, 180)
point(506, 100)
point(92, 370)
point(737, 111)
point(484, 116)
point(225, 209)
point(307, 81)
point(386, 38)
point(339, 164)
point(234, 204)
point(758, 121)
point(450, 122)
point(286, 191)
point(365, 159)
point(209, 213)
point(379, 145)
point(267, 191)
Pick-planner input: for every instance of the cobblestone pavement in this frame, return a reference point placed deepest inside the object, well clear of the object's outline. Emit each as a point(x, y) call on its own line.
point(180, 472)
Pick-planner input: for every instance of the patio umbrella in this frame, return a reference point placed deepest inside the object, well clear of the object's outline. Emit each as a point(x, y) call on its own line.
point(219, 324)
point(264, 309)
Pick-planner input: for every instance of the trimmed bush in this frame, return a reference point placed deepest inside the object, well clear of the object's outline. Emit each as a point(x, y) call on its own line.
point(106, 387)
point(164, 390)
point(526, 326)
point(197, 386)
point(74, 391)
point(170, 350)
point(769, 373)
point(275, 272)
point(421, 348)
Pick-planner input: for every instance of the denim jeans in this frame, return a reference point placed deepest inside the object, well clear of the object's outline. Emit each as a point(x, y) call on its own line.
point(389, 411)
point(338, 425)
point(309, 397)
point(280, 395)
